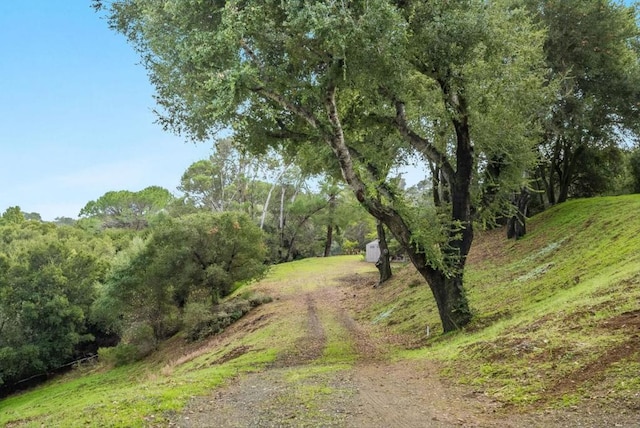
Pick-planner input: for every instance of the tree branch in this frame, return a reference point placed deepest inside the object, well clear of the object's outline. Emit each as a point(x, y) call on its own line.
point(422, 144)
point(301, 112)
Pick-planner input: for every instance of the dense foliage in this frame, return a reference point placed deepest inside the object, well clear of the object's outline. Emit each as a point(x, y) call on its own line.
point(196, 257)
point(359, 87)
point(64, 289)
point(592, 49)
point(128, 209)
point(48, 280)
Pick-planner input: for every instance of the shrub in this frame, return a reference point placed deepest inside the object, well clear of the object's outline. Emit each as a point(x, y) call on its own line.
point(257, 299)
point(142, 336)
point(137, 342)
point(201, 322)
point(120, 355)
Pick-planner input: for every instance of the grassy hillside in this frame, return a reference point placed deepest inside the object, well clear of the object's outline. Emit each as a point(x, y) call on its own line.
point(557, 312)
point(557, 320)
point(151, 392)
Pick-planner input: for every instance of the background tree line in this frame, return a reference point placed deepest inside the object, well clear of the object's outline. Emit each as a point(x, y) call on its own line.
point(137, 267)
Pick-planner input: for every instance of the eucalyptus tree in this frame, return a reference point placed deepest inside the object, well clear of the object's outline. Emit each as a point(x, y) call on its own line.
point(593, 48)
point(221, 182)
point(315, 78)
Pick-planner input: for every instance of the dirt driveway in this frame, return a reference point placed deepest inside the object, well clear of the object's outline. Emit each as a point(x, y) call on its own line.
point(305, 388)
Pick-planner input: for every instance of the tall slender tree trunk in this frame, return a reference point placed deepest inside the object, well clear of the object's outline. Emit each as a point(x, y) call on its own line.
point(266, 206)
point(553, 171)
point(570, 160)
point(460, 240)
point(281, 220)
point(329, 241)
point(273, 186)
point(435, 184)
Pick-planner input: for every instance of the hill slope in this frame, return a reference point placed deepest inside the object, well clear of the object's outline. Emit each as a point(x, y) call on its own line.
point(557, 312)
point(556, 327)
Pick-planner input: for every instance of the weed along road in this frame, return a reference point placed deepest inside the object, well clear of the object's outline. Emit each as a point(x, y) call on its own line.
point(329, 369)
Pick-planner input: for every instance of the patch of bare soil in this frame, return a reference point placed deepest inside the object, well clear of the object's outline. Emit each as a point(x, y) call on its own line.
point(374, 392)
point(236, 352)
point(629, 322)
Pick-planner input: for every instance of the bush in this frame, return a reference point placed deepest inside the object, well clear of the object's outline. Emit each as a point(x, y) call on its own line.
point(201, 322)
point(257, 299)
point(120, 355)
point(137, 342)
point(235, 308)
point(142, 336)
point(194, 314)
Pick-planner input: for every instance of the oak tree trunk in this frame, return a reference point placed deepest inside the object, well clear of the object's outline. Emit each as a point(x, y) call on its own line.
point(445, 283)
point(384, 261)
point(329, 240)
point(517, 226)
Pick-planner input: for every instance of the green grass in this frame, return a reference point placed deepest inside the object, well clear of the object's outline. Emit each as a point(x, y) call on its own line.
point(339, 347)
point(122, 397)
point(119, 397)
point(151, 391)
point(542, 306)
point(305, 274)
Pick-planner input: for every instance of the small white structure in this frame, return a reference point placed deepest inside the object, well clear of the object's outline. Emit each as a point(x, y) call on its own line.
point(373, 251)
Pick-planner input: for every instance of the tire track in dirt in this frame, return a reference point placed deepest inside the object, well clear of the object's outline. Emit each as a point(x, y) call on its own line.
point(267, 398)
point(365, 346)
point(309, 347)
point(399, 394)
point(372, 393)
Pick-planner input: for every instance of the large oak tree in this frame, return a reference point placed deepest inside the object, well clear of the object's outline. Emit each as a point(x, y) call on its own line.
point(360, 85)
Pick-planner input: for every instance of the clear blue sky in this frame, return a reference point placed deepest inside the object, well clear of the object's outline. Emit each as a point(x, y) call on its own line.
point(75, 112)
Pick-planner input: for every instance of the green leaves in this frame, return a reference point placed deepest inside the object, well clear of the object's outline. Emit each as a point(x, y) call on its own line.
point(12, 215)
point(184, 259)
point(592, 54)
point(126, 209)
point(47, 285)
point(357, 85)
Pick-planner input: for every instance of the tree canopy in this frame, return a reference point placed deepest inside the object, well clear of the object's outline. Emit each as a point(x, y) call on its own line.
point(48, 279)
point(128, 209)
point(186, 258)
point(359, 85)
point(593, 49)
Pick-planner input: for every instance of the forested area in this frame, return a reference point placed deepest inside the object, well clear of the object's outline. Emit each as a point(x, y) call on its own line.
point(314, 109)
point(137, 267)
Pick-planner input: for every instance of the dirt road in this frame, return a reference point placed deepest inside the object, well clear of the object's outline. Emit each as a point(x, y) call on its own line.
point(314, 385)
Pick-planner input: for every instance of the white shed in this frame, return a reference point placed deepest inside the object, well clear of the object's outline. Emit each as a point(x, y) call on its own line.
point(373, 251)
